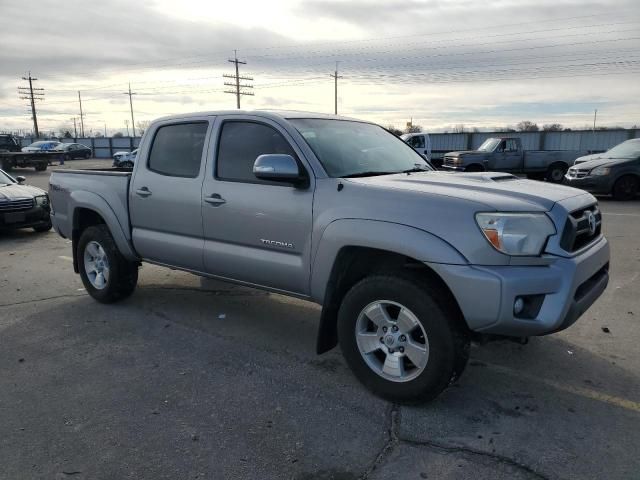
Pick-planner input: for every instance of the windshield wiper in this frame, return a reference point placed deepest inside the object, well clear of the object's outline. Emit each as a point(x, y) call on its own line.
point(368, 174)
point(416, 169)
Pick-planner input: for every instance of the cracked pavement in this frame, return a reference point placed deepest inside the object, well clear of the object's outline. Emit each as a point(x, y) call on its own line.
point(201, 379)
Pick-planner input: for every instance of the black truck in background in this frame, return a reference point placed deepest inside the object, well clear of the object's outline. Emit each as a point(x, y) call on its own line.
point(12, 157)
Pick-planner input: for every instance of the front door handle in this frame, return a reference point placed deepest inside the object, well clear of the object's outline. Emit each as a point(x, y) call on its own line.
point(215, 199)
point(143, 192)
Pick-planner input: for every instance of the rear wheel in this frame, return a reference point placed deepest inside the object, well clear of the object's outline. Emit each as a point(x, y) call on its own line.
point(41, 167)
point(399, 340)
point(66, 157)
point(87, 155)
point(556, 172)
point(626, 188)
point(127, 164)
point(105, 273)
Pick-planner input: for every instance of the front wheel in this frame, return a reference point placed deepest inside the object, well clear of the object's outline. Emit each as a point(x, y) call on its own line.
point(41, 167)
point(626, 188)
point(45, 227)
point(127, 164)
point(105, 273)
point(400, 340)
point(556, 172)
point(87, 155)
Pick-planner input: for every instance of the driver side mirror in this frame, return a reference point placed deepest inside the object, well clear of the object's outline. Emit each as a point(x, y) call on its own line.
point(275, 167)
point(20, 179)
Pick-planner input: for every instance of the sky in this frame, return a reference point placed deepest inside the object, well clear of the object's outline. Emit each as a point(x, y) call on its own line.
point(439, 63)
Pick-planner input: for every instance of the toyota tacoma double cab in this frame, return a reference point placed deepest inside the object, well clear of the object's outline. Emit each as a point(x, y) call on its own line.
point(409, 264)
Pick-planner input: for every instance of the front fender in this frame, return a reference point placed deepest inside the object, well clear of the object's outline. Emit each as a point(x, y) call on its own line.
point(392, 237)
point(91, 201)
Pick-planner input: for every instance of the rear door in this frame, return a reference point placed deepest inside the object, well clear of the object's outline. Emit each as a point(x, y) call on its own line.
point(165, 195)
point(256, 232)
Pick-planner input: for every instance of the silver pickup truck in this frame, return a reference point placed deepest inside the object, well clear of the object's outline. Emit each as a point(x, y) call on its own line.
point(505, 154)
point(409, 264)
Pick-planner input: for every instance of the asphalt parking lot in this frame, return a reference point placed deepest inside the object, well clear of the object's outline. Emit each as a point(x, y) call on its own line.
point(200, 379)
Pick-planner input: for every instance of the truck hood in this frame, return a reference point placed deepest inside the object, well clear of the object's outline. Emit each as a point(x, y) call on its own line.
point(16, 191)
point(463, 152)
point(492, 190)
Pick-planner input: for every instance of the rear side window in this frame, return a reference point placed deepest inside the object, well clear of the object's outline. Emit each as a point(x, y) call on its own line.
point(241, 143)
point(177, 149)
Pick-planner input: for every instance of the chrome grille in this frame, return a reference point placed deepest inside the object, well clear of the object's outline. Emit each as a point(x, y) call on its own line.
point(16, 205)
point(583, 226)
point(577, 173)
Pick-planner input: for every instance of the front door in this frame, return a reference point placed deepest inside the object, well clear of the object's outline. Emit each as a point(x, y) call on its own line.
point(165, 195)
point(255, 231)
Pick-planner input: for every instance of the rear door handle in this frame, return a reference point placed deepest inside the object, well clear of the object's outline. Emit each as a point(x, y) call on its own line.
point(143, 192)
point(215, 199)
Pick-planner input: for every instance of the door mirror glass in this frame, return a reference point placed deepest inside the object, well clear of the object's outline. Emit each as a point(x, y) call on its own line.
point(20, 179)
point(277, 167)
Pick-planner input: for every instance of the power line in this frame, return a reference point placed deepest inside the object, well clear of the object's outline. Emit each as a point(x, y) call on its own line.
point(32, 94)
point(238, 92)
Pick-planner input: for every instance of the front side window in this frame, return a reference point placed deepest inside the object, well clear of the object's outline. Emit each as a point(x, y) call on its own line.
point(239, 146)
point(346, 148)
point(512, 146)
point(177, 149)
point(417, 141)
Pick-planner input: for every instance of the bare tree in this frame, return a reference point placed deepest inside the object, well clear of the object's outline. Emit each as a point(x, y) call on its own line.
point(396, 131)
point(118, 135)
point(413, 129)
point(459, 128)
point(552, 127)
point(527, 126)
point(141, 126)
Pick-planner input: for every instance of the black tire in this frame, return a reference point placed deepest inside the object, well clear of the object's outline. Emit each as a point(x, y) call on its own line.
point(442, 323)
point(6, 165)
point(556, 172)
point(474, 168)
point(626, 187)
point(87, 155)
point(66, 157)
point(127, 164)
point(44, 227)
point(41, 167)
point(123, 274)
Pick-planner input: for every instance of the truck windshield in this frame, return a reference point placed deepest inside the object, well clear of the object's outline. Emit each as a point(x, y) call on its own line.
point(489, 145)
point(350, 149)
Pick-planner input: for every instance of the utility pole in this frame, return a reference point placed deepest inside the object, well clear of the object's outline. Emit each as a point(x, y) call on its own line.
point(130, 93)
point(236, 84)
point(126, 122)
point(32, 94)
point(335, 80)
point(75, 129)
point(81, 115)
point(105, 129)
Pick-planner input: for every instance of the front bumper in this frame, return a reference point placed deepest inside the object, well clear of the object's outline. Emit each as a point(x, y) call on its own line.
point(33, 217)
point(593, 184)
point(486, 294)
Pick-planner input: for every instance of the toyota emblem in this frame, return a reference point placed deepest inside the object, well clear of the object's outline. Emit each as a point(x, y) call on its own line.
point(591, 218)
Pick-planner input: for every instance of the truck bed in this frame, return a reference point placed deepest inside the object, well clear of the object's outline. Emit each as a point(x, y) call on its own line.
point(104, 188)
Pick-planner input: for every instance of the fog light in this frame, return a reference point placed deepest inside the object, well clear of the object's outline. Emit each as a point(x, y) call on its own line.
point(518, 306)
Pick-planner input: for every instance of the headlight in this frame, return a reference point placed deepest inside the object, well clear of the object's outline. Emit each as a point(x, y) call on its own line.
point(600, 171)
point(516, 233)
point(42, 200)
